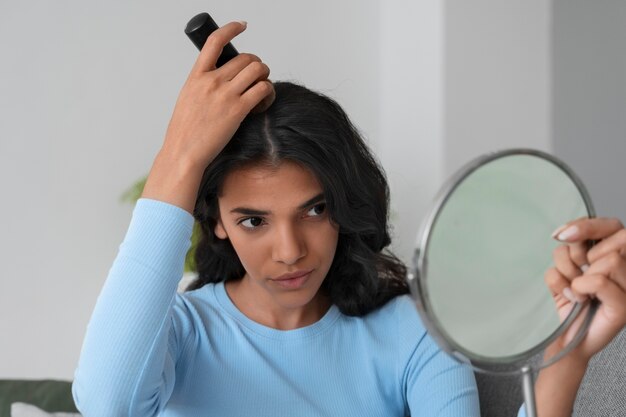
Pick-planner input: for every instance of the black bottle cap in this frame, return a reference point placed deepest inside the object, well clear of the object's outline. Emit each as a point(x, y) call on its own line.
point(198, 30)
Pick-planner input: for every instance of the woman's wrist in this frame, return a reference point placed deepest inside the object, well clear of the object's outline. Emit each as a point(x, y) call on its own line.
point(578, 355)
point(557, 385)
point(174, 180)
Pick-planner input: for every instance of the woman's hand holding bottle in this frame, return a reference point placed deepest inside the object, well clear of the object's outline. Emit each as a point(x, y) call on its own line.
point(210, 107)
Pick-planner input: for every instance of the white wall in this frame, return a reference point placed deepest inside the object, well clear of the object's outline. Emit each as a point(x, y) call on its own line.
point(86, 92)
point(497, 77)
point(411, 147)
point(589, 81)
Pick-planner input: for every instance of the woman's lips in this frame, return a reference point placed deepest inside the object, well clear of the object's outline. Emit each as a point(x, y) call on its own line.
point(292, 281)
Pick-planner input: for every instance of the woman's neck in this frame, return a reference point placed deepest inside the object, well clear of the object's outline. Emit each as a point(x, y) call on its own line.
point(262, 308)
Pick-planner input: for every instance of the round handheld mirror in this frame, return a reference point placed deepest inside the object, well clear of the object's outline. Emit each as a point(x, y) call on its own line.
point(478, 270)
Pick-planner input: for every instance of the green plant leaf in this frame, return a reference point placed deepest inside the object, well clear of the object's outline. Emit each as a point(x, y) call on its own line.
point(133, 194)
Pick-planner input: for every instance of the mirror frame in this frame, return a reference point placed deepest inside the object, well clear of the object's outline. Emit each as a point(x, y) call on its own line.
point(514, 364)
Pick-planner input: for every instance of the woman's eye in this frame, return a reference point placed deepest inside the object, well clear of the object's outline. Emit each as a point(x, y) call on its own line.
point(317, 210)
point(251, 222)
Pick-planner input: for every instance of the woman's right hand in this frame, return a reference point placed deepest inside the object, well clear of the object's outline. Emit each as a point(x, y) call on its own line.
point(598, 272)
point(581, 272)
point(210, 107)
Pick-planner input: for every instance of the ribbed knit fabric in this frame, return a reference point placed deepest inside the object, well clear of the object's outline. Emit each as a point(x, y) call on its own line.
point(149, 351)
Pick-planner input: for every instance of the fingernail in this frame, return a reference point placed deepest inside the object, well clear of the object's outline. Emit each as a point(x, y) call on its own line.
point(584, 268)
point(567, 293)
point(569, 233)
point(558, 230)
point(243, 22)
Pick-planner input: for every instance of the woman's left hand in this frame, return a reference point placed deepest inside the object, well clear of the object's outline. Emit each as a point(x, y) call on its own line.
point(599, 272)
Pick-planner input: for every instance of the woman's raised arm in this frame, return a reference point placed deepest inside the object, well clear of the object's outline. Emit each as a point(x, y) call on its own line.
point(127, 363)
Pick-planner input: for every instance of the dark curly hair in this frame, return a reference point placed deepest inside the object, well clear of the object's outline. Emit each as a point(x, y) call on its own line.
point(312, 130)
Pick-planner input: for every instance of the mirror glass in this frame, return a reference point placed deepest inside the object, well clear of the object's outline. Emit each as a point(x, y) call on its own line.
point(486, 248)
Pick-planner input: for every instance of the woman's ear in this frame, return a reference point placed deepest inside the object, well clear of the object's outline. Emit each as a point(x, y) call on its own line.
point(219, 230)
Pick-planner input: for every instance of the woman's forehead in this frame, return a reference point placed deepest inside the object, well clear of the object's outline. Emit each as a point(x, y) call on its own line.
point(288, 184)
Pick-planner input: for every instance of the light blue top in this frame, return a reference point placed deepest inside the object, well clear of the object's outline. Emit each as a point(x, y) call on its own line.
point(149, 351)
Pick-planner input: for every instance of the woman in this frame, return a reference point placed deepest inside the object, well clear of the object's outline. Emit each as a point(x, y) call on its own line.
point(297, 311)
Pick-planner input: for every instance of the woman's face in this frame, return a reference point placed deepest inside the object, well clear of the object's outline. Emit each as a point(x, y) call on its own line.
point(277, 222)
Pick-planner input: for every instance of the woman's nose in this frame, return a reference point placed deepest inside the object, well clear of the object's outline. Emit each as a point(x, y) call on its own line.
point(289, 245)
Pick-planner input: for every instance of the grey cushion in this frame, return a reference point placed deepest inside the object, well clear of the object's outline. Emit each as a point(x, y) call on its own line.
point(500, 395)
point(29, 410)
point(601, 394)
point(603, 391)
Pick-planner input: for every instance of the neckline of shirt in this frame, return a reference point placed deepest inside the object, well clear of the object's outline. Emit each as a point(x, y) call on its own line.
point(224, 301)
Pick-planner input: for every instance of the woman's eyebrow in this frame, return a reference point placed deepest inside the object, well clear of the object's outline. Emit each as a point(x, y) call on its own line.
point(249, 212)
point(246, 211)
point(311, 201)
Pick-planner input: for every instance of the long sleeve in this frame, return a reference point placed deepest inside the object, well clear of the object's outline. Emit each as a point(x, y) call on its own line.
point(440, 386)
point(435, 385)
point(126, 367)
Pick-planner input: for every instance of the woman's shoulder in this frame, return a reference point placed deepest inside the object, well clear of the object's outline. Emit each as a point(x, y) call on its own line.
point(391, 333)
point(198, 299)
point(190, 307)
point(400, 308)
point(397, 319)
